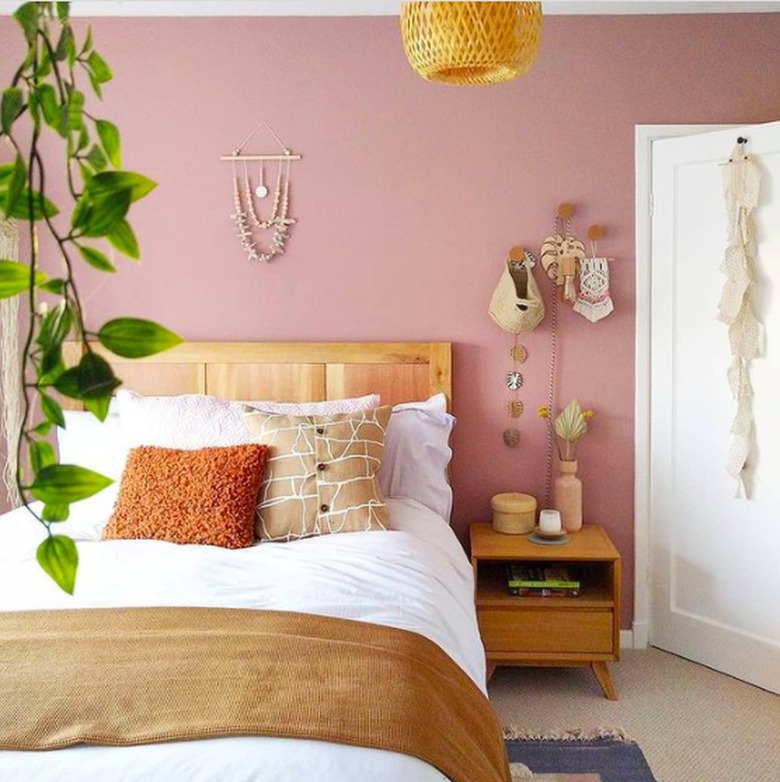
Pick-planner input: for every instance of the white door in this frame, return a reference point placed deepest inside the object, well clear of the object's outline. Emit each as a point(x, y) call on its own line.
point(714, 558)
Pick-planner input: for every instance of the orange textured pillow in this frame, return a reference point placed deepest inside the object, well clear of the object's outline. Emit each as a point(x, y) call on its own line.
point(206, 496)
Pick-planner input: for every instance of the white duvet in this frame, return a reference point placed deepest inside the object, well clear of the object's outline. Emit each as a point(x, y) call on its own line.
point(415, 577)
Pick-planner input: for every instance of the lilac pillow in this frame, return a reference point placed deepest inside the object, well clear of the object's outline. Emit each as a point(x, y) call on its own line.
point(417, 453)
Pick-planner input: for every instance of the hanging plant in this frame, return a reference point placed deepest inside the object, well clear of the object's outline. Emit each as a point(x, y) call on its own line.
point(44, 97)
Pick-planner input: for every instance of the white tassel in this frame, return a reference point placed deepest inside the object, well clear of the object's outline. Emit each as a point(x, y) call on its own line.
point(10, 367)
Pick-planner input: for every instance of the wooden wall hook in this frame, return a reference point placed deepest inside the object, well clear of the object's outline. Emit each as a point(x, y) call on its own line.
point(595, 232)
point(517, 253)
point(565, 211)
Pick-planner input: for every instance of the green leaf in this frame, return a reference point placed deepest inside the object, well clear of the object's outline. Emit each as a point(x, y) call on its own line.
point(92, 378)
point(87, 41)
point(96, 259)
point(51, 364)
point(83, 141)
point(123, 239)
point(62, 10)
point(51, 410)
point(67, 383)
point(97, 158)
point(95, 377)
point(16, 185)
point(10, 107)
point(66, 483)
point(112, 182)
point(15, 278)
point(27, 16)
point(41, 455)
point(109, 138)
point(21, 208)
point(98, 406)
point(76, 110)
point(100, 216)
point(66, 40)
point(136, 338)
point(96, 88)
point(47, 97)
point(55, 326)
point(44, 66)
point(58, 556)
point(43, 428)
point(56, 286)
point(53, 512)
point(99, 67)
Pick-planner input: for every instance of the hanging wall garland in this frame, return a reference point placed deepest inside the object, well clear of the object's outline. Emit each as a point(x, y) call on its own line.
point(247, 212)
point(741, 187)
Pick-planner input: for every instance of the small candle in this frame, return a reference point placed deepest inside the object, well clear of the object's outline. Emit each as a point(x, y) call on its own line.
point(549, 521)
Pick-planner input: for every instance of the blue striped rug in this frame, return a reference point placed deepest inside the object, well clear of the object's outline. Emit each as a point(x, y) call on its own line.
point(607, 757)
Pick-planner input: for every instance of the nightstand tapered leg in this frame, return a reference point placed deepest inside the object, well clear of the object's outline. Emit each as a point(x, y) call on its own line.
point(602, 674)
point(491, 669)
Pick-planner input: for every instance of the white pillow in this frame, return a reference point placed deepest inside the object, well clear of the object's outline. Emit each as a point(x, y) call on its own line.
point(200, 421)
point(87, 442)
point(417, 453)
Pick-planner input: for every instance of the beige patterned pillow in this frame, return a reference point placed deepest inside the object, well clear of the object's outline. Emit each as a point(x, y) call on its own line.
point(321, 473)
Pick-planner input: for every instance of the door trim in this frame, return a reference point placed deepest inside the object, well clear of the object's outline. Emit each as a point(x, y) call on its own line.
point(644, 136)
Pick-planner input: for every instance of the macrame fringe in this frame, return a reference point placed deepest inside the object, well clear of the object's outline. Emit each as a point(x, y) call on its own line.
point(10, 367)
point(513, 733)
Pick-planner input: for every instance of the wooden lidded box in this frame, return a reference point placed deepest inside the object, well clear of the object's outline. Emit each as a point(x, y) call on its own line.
point(513, 513)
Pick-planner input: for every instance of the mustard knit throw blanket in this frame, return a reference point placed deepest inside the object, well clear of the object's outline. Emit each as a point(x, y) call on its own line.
point(140, 675)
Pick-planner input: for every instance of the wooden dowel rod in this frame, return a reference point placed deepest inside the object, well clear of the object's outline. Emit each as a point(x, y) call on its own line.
point(260, 157)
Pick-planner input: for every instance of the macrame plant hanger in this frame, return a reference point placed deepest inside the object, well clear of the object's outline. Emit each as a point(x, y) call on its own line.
point(10, 367)
point(246, 216)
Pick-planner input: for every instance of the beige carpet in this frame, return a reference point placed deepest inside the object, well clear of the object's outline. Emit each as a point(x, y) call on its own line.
point(692, 724)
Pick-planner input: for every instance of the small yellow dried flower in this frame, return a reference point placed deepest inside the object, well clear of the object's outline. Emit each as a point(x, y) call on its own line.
point(543, 412)
point(587, 414)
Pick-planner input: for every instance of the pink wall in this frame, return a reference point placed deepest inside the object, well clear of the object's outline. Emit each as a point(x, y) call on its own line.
point(408, 197)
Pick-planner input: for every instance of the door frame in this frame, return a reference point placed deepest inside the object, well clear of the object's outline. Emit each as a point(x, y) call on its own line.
point(644, 136)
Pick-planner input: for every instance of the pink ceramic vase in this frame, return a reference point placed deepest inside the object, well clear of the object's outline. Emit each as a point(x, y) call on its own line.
point(567, 496)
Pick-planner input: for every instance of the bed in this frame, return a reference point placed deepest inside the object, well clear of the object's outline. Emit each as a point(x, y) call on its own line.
point(413, 576)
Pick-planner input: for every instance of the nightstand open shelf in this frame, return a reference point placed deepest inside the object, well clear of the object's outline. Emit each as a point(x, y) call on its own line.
point(555, 630)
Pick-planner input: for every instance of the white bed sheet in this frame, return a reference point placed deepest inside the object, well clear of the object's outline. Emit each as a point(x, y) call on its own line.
point(415, 577)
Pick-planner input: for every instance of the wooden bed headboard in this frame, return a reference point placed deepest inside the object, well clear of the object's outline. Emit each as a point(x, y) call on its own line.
point(287, 371)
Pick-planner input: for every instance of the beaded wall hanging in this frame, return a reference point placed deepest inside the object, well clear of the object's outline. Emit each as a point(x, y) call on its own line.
point(247, 216)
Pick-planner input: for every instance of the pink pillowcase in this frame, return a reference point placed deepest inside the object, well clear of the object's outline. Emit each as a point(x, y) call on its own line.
point(417, 454)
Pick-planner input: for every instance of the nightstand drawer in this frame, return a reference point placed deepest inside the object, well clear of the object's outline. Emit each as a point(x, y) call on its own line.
point(546, 630)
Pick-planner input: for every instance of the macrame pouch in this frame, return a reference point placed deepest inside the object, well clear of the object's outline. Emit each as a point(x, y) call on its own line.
point(517, 304)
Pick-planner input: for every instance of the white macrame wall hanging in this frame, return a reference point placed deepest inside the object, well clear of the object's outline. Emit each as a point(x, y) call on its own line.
point(250, 225)
point(741, 184)
point(10, 367)
point(593, 300)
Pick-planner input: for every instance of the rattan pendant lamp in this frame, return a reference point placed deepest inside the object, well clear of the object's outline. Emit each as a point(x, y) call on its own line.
point(471, 43)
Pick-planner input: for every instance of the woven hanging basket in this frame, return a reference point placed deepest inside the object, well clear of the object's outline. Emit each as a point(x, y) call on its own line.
point(471, 43)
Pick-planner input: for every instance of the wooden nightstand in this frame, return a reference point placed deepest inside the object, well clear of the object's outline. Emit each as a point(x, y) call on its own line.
point(554, 631)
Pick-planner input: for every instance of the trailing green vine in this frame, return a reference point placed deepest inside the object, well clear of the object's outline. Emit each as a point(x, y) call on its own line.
point(44, 96)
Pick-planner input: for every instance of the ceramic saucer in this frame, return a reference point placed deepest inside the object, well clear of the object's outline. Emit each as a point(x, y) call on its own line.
point(548, 538)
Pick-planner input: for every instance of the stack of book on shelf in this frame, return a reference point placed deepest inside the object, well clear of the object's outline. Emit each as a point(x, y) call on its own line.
point(541, 581)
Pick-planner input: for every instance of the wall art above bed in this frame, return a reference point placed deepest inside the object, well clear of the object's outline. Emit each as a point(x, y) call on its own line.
point(249, 190)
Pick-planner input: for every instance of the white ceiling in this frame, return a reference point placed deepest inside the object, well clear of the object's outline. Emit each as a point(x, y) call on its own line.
point(376, 7)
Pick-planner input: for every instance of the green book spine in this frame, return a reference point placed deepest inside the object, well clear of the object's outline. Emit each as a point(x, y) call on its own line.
point(545, 584)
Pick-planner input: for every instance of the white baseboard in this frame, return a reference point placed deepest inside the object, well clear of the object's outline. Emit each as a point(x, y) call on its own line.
point(641, 635)
point(627, 639)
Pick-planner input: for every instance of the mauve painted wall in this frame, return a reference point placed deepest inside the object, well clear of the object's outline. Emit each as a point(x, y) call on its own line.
point(408, 197)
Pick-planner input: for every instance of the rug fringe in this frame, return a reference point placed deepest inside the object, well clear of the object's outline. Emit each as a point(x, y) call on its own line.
point(515, 733)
